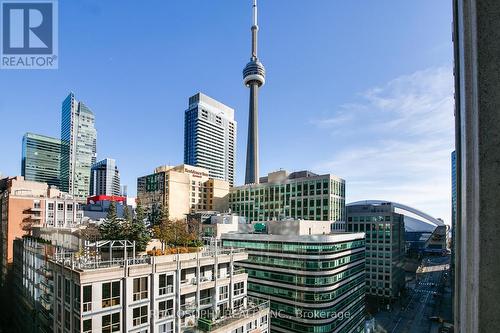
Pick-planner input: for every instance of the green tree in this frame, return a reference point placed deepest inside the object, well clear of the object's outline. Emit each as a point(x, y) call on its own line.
point(139, 213)
point(173, 233)
point(112, 230)
point(111, 215)
point(137, 231)
point(158, 215)
point(126, 214)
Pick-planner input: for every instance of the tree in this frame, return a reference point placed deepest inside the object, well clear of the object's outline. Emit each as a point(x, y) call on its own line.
point(158, 215)
point(127, 229)
point(111, 215)
point(112, 228)
point(173, 233)
point(139, 213)
point(138, 232)
point(126, 214)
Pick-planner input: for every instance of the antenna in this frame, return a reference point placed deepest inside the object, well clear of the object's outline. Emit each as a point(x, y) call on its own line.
point(255, 12)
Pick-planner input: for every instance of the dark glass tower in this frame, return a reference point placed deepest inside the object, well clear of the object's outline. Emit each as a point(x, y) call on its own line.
point(253, 77)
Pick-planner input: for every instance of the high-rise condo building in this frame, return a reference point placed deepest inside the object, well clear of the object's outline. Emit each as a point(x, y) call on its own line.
point(298, 195)
point(384, 229)
point(315, 280)
point(210, 137)
point(41, 158)
point(105, 178)
point(78, 147)
point(254, 78)
point(181, 190)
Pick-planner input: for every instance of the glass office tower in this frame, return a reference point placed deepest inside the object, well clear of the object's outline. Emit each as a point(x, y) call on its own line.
point(41, 156)
point(105, 178)
point(315, 280)
point(78, 147)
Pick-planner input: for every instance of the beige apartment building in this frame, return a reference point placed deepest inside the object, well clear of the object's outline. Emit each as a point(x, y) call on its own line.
point(26, 204)
point(181, 190)
point(186, 293)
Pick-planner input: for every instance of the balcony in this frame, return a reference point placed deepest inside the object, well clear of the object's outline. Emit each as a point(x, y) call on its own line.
point(206, 301)
point(188, 307)
point(209, 325)
point(166, 290)
point(188, 282)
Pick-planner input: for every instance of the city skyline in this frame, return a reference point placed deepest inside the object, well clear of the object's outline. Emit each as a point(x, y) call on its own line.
point(337, 104)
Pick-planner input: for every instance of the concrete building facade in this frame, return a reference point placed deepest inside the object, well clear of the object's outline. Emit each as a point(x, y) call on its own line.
point(181, 190)
point(210, 137)
point(477, 118)
point(315, 280)
point(78, 142)
point(254, 75)
point(41, 158)
point(384, 229)
point(191, 293)
point(299, 195)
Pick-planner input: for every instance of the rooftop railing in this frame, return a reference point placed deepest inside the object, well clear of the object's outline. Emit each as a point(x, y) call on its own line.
point(95, 261)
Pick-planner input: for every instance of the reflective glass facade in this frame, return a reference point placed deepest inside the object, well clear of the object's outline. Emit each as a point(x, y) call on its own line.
point(41, 156)
point(314, 286)
point(78, 142)
point(384, 230)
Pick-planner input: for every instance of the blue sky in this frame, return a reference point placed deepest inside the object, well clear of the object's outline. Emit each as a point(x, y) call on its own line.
point(360, 89)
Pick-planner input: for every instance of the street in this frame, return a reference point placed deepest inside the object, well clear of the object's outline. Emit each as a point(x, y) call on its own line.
point(412, 313)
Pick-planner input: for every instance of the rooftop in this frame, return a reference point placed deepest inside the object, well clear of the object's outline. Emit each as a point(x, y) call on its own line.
point(102, 260)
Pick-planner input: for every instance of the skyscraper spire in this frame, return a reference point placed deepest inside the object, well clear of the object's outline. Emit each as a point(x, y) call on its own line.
point(253, 77)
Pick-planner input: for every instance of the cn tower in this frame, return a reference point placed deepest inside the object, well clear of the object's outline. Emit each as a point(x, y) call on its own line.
point(253, 77)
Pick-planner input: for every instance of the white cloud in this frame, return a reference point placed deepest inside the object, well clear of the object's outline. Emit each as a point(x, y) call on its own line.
point(395, 142)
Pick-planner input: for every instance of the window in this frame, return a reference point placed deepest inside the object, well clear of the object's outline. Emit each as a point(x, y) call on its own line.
point(59, 286)
point(110, 294)
point(167, 328)
point(60, 207)
point(263, 321)
point(140, 315)
point(140, 288)
point(67, 291)
point(111, 323)
point(165, 309)
point(223, 293)
point(165, 284)
point(239, 303)
point(67, 320)
point(76, 297)
point(87, 326)
point(87, 298)
point(239, 288)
